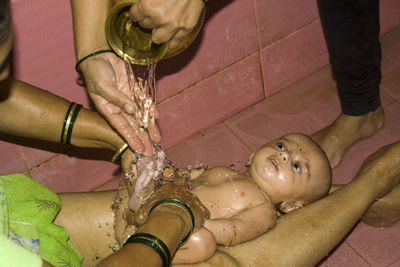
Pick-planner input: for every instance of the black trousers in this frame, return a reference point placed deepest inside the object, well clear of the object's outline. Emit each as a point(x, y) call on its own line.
point(351, 29)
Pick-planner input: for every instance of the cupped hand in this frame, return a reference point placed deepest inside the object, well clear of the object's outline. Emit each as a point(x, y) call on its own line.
point(107, 84)
point(171, 20)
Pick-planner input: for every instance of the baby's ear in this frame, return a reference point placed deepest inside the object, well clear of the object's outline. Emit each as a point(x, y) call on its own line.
point(248, 163)
point(289, 206)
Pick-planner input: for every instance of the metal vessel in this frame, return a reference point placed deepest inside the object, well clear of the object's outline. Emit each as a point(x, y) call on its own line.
point(133, 42)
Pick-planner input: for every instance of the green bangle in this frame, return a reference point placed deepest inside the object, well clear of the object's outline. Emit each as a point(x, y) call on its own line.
point(181, 204)
point(153, 242)
point(91, 55)
point(65, 121)
point(69, 122)
point(74, 115)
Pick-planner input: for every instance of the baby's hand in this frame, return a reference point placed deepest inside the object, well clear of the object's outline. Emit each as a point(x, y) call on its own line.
point(194, 173)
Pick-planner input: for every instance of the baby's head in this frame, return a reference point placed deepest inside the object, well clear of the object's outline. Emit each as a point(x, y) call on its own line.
point(292, 171)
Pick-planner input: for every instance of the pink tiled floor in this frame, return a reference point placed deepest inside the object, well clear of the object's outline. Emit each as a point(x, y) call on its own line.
point(306, 106)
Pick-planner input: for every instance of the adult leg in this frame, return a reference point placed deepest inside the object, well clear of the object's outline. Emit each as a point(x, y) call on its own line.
point(385, 211)
point(305, 236)
point(352, 34)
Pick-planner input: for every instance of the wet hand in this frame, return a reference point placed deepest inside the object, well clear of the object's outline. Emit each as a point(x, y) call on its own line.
point(171, 20)
point(107, 84)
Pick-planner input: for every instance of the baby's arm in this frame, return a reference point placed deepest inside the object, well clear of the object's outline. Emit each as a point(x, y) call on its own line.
point(200, 247)
point(244, 226)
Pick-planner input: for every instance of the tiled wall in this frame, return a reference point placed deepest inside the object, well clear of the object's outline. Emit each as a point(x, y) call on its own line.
point(247, 50)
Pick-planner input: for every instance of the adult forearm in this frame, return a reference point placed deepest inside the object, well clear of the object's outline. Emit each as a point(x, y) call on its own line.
point(166, 223)
point(89, 18)
point(35, 113)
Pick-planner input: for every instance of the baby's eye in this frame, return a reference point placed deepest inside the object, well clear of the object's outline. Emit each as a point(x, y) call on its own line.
point(280, 146)
point(296, 167)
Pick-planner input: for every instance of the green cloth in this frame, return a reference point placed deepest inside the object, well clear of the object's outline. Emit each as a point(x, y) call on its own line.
point(31, 210)
point(13, 255)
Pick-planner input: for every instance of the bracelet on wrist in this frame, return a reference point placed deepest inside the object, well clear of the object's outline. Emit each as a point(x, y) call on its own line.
point(69, 122)
point(119, 153)
point(155, 243)
point(91, 55)
point(182, 205)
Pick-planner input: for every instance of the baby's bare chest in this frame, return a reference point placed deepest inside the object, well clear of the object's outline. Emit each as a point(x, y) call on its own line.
point(229, 197)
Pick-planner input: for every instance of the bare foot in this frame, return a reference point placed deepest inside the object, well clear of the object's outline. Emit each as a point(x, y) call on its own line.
point(385, 211)
point(346, 130)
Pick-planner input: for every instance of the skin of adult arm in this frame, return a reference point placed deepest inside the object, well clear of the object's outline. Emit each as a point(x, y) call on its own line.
point(171, 20)
point(35, 113)
point(168, 223)
point(105, 75)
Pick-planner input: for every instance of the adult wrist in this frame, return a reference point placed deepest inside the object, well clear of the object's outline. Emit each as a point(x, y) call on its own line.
point(91, 130)
point(171, 216)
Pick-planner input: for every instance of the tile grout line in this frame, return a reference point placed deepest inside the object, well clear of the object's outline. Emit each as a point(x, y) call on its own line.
point(236, 135)
point(259, 50)
point(208, 77)
point(358, 253)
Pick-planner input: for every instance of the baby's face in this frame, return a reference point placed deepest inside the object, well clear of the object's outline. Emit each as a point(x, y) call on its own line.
point(291, 168)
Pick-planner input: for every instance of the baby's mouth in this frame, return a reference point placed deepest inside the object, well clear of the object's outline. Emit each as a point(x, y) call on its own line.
point(274, 163)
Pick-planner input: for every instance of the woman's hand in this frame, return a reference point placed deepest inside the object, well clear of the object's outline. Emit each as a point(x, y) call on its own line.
point(107, 83)
point(171, 20)
point(126, 161)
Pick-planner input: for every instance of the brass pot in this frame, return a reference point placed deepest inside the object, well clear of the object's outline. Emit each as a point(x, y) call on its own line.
point(133, 42)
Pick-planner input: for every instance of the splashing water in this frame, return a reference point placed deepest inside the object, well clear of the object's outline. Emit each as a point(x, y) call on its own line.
point(150, 172)
point(142, 84)
point(156, 170)
point(141, 79)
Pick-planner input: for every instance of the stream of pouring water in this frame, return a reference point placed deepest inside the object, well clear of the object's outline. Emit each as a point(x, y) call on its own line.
point(142, 84)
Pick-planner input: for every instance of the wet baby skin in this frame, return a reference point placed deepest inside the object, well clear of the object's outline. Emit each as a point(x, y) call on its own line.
point(284, 175)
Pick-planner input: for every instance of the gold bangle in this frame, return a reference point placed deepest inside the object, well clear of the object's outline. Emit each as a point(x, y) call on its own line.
point(69, 122)
point(120, 151)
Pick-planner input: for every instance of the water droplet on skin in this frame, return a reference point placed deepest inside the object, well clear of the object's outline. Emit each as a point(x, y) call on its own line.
point(108, 234)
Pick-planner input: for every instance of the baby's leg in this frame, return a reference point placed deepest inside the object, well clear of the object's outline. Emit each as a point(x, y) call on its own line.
point(200, 247)
point(89, 220)
point(96, 222)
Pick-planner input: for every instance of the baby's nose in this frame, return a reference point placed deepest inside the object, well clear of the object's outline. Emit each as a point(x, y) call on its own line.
point(284, 156)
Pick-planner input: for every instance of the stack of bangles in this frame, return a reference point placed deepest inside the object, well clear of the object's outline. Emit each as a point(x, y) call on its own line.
point(154, 242)
point(69, 122)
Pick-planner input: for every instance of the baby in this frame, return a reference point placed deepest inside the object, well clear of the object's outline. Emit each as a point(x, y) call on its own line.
point(284, 175)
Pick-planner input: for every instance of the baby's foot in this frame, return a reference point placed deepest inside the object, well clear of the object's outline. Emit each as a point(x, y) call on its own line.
point(385, 211)
point(336, 138)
